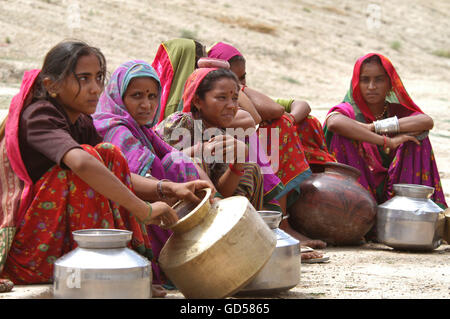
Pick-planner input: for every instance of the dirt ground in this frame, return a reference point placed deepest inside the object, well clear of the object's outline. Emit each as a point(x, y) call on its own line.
point(294, 49)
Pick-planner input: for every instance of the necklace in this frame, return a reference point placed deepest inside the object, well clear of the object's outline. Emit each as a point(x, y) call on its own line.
point(380, 116)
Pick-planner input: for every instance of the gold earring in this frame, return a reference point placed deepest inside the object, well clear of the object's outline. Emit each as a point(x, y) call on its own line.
point(53, 94)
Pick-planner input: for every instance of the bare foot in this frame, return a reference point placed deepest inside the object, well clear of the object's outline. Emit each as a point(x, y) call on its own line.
point(304, 241)
point(311, 255)
point(158, 291)
point(6, 285)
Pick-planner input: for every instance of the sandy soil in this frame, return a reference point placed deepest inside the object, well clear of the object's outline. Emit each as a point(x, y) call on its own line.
point(296, 49)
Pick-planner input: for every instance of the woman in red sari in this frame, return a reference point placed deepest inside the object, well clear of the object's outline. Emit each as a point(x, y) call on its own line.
point(57, 176)
point(385, 155)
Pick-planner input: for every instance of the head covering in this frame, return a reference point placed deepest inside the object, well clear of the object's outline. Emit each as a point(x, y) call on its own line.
point(191, 86)
point(399, 95)
point(110, 106)
point(112, 117)
point(174, 62)
point(223, 51)
point(16, 186)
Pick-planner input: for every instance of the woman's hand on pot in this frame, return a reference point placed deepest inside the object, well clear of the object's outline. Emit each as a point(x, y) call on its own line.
point(161, 214)
point(187, 191)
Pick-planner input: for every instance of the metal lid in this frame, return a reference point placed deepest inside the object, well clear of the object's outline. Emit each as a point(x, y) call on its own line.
point(413, 190)
point(102, 238)
point(271, 218)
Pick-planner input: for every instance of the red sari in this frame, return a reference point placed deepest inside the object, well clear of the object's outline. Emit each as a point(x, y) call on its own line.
point(44, 214)
point(299, 146)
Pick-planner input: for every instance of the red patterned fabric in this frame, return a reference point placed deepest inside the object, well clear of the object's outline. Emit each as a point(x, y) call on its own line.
point(62, 203)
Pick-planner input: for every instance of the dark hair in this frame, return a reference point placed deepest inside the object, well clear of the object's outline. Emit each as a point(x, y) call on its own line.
point(61, 61)
point(236, 58)
point(208, 83)
point(373, 59)
point(199, 52)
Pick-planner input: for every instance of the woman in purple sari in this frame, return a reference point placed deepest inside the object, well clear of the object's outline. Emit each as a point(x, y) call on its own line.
point(382, 132)
point(126, 112)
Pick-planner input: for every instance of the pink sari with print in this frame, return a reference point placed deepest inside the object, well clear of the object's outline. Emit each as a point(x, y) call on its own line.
point(409, 163)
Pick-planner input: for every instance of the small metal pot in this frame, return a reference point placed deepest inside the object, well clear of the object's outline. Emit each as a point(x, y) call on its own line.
point(282, 271)
point(410, 220)
point(102, 267)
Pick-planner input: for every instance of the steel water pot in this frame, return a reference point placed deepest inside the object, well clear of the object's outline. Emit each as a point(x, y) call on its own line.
point(102, 267)
point(215, 250)
point(282, 271)
point(410, 220)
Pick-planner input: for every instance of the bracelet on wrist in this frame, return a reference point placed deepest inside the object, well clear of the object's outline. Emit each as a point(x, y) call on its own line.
point(149, 214)
point(159, 188)
point(387, 126)
point(385, 148)
point(235, 170)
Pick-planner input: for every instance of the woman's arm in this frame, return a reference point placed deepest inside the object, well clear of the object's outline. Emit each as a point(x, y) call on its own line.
point(246, 104)
point(96, 175)
point(342, 125)
point(146, 189)
point(230, 148)
point(229, 181)
point(300, 110)
point(243, 120)
point(414, 124)
point(267, 108)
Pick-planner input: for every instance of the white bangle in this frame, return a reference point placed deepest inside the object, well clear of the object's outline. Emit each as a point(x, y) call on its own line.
point(387, 126)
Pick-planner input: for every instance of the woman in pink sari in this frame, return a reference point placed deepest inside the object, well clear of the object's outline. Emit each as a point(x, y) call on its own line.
point(379, 130)
point(127, 110)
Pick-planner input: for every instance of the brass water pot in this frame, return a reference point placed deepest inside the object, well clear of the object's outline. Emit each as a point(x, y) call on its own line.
point(216, 250)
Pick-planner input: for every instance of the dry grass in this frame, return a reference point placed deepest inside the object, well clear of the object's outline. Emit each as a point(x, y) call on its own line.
point(442, 53)
point(247, 24)
point(335, 10)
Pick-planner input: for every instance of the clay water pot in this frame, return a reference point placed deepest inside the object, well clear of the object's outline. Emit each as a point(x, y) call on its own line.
point(333, 206)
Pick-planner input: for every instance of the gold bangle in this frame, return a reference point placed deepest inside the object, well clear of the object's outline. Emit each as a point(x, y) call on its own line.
point(149, 215)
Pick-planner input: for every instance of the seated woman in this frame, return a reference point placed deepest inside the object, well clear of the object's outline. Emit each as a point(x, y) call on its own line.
point(379, 130)
point(61, 177)
point(209, 106)
point(264, 110)
point(126, 112)
point(301, 139)
point(175, 60)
